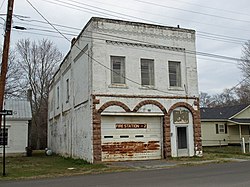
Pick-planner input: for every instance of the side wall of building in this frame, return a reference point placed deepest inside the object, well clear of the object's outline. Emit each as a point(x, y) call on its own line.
point(70, 108)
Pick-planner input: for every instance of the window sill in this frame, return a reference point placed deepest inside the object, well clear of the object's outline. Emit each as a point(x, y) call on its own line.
point(176, 88)
point(123, 86)
point(147, 88)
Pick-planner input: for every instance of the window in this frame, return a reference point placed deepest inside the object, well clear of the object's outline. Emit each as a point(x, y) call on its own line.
point(118, 70)
point(147, 72)
point(4, 139)
point(174, 73)
point(221, 128)
point(67, 90)
point(58, 97)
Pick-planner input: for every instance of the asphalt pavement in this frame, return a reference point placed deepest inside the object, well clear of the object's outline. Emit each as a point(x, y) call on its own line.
point(229, 174)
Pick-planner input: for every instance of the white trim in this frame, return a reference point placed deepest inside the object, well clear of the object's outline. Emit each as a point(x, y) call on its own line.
point(131, 114)
point(240, 112)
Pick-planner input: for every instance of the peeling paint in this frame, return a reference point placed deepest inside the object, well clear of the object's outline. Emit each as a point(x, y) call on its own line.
point(129, 148)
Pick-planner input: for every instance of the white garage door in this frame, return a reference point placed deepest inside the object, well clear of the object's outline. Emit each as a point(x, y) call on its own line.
point(131, 138)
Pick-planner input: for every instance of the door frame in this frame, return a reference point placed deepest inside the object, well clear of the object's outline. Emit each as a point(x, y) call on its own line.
point(187, 140)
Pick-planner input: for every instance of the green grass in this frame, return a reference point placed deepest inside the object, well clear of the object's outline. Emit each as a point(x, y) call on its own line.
point(39, 166)
point(225, 152)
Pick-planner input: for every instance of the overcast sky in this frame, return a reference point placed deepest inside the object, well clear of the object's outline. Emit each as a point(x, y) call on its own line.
point(222, 27)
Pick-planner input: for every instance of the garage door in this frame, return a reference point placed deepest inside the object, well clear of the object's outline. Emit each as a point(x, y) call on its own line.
point(131, 138)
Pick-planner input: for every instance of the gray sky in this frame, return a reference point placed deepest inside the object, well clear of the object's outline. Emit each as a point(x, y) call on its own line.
point(222, 26)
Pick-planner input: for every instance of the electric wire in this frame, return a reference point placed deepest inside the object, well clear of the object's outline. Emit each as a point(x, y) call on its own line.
point(187, 51)
point(213, 8)
point(191, 11)
point(200, 34)
point(205, 54)
point(205, 35)
point(167, 16)
point(2, 4)
point(91, 56)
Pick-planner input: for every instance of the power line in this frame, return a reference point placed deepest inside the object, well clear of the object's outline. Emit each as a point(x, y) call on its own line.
point(164, 16)
point(213, 8)
point(191, 11)
point(206, 35)
point(200, 33)
point(187, 51)
point(2, 4)
point(88, 54)
point(115, 72)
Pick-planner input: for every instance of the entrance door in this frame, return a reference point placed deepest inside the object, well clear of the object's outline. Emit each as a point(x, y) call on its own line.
point(182, 143)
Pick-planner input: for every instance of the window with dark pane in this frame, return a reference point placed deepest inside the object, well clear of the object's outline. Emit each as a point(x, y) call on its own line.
point(174, 73)
point(118, 70)
point(147, 72)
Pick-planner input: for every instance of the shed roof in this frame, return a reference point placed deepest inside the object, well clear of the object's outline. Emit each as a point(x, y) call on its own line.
point(222, 112)
point(21, 109)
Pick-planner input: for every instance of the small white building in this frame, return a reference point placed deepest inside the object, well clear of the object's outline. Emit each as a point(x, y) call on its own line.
point(16, 134)
point(126, 91)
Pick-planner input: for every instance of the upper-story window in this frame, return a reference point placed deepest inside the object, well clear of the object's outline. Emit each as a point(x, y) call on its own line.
point(147, 72)
point(67, 90)
point(174, 73)
point(118, 70)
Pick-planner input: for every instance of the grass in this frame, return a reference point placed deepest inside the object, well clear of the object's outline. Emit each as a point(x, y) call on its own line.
point(39, 166)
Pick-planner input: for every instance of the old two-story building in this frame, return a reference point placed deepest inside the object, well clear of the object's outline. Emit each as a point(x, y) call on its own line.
point(126, 91)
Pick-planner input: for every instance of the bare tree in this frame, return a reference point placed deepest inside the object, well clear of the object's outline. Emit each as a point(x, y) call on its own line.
point(244, 64)
point(226, 98)
point(205, 99)
point(243, 93)
point(14, 80)
point(38, 61)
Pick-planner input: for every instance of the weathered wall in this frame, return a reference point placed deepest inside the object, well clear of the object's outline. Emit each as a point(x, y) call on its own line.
point(70, 126)
point(75, 126)
point(162, 45)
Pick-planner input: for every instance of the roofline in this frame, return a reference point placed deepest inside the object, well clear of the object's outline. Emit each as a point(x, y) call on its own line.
point(223, 120)
point(238, 123)
point(211, 120)
point(110, 20)
point(239, 112)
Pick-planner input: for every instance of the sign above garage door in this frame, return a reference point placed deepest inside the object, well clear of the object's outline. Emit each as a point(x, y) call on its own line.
point(131, 126)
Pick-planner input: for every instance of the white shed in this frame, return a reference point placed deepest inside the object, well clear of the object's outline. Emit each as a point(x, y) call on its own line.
point(16, 126)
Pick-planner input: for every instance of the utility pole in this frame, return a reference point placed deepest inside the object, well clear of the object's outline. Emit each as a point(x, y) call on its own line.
point(5, 56)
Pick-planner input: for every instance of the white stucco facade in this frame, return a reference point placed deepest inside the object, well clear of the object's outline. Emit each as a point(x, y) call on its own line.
point(82, 90)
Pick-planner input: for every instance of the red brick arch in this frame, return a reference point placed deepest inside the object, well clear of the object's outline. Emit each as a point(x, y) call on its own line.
point(196, 122)
point(113, 103)
point(147, 102)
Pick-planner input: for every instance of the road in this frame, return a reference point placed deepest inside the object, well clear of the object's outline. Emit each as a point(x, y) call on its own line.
point(227, 174)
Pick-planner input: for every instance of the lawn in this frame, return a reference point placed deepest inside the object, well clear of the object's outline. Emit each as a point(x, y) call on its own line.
point(40, 165)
